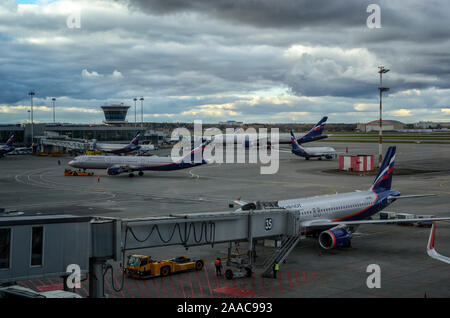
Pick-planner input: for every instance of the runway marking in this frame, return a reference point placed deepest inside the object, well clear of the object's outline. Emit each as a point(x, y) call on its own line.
point(193, 174)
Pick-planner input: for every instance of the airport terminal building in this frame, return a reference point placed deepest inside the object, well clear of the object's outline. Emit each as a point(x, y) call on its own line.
point(115, 129)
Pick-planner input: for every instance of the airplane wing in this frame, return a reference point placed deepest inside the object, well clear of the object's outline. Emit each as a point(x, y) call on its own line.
point(238, 201)
point(324, 223)
point(430, 247)
point(411, 196)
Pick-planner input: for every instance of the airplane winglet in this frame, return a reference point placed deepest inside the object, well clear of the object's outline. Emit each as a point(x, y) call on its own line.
point(238, 201)
point(430, 247)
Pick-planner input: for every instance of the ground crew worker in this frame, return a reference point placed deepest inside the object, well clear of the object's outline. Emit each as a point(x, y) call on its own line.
point(276, 268)
point(98, 178)
point(218, 264)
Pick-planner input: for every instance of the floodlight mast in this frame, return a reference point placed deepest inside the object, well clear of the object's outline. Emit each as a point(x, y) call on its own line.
point(382, 89)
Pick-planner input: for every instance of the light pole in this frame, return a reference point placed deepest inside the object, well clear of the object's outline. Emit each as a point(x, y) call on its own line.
point(380, 133)
point(53, 100)
point(135, 121)
point(31, 93)
point(142, 111)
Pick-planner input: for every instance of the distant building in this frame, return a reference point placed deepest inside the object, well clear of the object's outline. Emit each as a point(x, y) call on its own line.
point(374, 125)
point(231, 122)
point(115, 114)
point(426, 125)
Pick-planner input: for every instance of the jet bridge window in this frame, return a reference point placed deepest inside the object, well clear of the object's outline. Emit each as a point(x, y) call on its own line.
point(37, 245)
point(5, 248)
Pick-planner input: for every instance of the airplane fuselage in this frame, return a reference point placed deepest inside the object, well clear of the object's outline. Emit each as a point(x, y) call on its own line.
point(137, 163)
point(350, 206)
point(5, 149)
point(310, 152)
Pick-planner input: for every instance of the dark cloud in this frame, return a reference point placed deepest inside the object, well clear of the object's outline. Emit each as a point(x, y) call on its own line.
point(181, 55)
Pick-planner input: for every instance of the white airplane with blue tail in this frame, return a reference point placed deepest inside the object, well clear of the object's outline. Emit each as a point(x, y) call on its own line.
point(336, 217)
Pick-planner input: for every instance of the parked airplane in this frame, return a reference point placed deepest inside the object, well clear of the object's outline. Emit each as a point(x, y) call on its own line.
point(8, 147)
point(118, 148)
point(249, 140)
point(311, 152)
point(115, 165)
point(335, 217)
point(430, 247)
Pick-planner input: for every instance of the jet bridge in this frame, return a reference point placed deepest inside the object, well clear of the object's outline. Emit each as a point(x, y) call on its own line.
point(207, 228)
point(105, 239)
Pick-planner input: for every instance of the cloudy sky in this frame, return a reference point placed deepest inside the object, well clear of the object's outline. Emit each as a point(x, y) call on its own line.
point(253, 61)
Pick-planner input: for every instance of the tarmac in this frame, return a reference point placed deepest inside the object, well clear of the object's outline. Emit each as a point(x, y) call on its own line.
point(35, 184)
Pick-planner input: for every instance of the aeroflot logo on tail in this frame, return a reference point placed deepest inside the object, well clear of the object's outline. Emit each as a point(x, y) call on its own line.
point(222, 146)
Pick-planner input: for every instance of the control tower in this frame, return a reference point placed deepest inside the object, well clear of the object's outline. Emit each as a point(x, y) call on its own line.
point(115, 114)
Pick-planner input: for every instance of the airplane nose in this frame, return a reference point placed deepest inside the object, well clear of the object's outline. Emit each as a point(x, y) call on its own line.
point(71, 162)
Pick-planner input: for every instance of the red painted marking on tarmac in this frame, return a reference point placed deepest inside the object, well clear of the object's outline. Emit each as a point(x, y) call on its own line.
point(164, 288)
point(173, 288)
point(207, 279)
point(128, 287)
point(253, 284)
point(110, 288)
point(304, 277)
point(199, 283)
point(289, 278)
point(156, 288)
point(84, 289)
point(23, 284)
point(271, 286)
point(139, 290)
point(237, 292)
point(263, 288)
point(217, 282)
point(281, 281)
point(147, 290)
point(190, 283)
point(181, 285)
point(297, 279)
point(117, 283)
point(50, 287)
point(33, 284)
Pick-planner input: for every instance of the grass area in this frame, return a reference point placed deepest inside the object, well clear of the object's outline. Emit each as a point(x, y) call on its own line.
point(397, 172)
point(386, 140)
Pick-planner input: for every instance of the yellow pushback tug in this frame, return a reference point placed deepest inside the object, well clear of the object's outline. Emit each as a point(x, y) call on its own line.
point(140, 266)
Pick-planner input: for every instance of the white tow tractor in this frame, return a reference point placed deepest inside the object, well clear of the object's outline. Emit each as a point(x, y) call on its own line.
point(238, 267)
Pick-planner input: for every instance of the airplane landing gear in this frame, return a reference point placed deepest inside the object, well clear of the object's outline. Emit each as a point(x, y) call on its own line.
point(141, 173)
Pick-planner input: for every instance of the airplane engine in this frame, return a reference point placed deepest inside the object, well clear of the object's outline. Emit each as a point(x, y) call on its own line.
point(112, 171)
point(247, 142)
point(335, 238)
point(115, 170)
point(329, 156)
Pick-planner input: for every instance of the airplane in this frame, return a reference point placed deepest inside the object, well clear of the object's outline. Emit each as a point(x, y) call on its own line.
point(430, 247)
point(8, 147)
point(248, 140)
point(119, 148)
point(334, 218)
point(311, 152)
point(115, 165)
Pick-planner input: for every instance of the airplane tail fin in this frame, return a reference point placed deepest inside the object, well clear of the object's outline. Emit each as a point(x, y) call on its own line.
point(136, 138)
point(294, 143)
point(384, 177)
point(10, 140)
point(196, 154)
point(316, 131)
